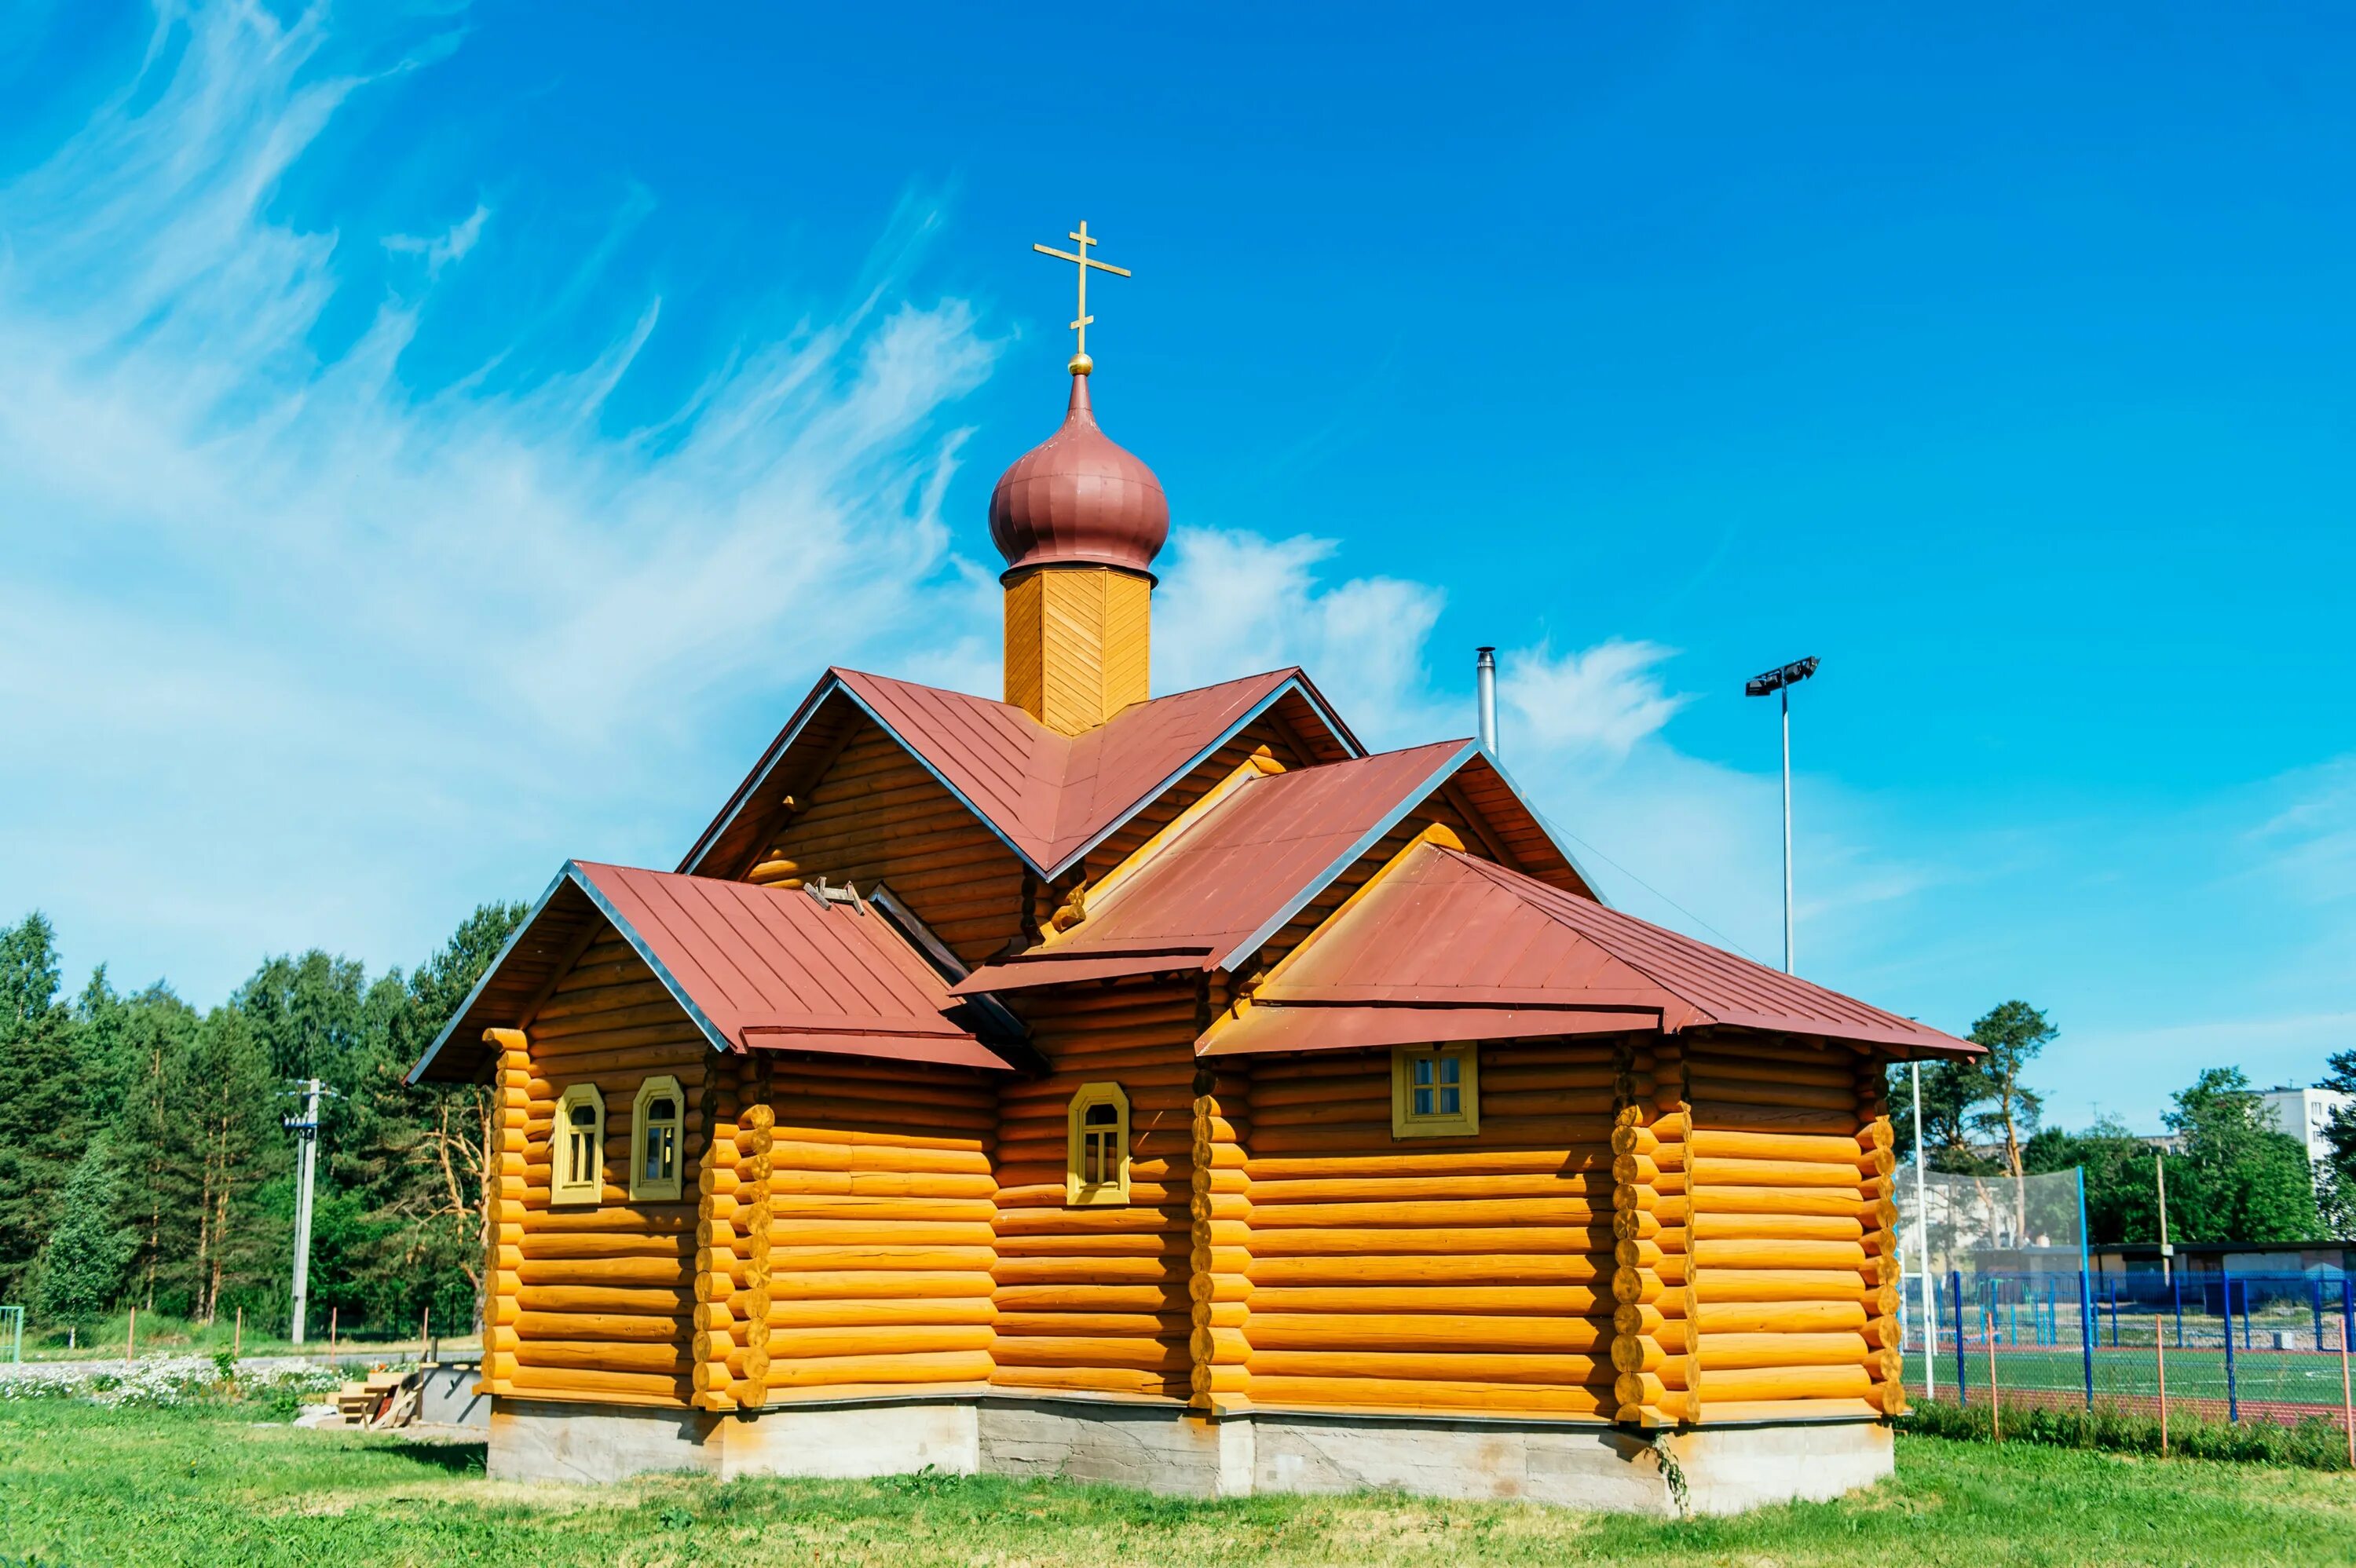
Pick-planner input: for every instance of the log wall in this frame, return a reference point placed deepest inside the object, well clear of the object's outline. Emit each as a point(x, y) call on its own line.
point(1096, 1299)
point(876, 814)
point(1796, 1274)
point(1441, 1275)
point(867, 1267)
point(596, 1303)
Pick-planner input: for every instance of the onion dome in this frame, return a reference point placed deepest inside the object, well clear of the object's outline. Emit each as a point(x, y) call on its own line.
point(1078, 499)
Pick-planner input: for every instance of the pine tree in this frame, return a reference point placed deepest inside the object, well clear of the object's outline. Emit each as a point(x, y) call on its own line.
point(2013, 1033)
point(146, 1037)
point(81, 1268)
point(220, 1142)
point(43, 1097)
point(416, 1153)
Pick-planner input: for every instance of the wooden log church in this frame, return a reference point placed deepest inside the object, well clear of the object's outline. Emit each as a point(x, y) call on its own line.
point(1166, 1090)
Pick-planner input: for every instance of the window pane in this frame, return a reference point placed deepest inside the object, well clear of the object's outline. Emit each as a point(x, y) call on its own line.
point(585, 1115)
point(1447, 1069)
point(660, 1110)
point(1423, 1102)
point(1422, 1068)
point(1449, 1103)
point(1103, 1115)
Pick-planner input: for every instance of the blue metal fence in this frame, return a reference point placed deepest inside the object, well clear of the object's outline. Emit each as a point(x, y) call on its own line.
point(2262, 1346)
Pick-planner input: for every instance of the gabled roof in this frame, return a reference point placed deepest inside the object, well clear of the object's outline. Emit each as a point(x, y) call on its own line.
point(754, 967)
point(1448, 946)
point(1049, 797)
point(1229, 879)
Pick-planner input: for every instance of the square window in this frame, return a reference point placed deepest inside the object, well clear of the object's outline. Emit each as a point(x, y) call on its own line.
point(1435, 1091)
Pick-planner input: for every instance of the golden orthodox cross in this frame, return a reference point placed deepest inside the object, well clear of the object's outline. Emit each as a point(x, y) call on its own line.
point(1081, 363)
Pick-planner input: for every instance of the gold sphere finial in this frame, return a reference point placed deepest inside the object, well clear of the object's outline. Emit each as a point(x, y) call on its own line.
point(1082, 364)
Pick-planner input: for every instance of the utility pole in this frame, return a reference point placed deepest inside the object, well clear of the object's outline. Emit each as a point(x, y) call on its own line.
point(2167, 1253)
point(305, 1127)
point(1779, 682)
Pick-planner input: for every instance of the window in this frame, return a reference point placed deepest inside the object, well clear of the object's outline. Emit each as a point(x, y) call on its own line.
point(656, 1117)
point(1435, 1091)
point(1097, 1158)
point(580, 1146)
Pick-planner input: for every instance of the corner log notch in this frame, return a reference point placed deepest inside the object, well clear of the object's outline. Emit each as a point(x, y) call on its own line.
point(721, 1186)
point(1878, 1211)
point(1652, 1351)
point(503, 1206)
point(755, 1140)
point(1218, 1281)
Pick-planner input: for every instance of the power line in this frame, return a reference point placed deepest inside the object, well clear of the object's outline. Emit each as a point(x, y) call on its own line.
point(1662, 896)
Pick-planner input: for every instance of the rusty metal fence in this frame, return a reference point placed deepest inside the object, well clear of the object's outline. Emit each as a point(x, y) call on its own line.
point(2223, 1346)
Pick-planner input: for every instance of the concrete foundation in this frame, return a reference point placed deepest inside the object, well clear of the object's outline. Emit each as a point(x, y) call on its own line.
point(1161, 1448)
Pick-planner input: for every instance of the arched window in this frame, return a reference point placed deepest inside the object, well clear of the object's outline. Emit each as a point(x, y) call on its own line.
point(1435, 1090)
point(1096, 1156)
point(658, 1117)
point(579, 1154)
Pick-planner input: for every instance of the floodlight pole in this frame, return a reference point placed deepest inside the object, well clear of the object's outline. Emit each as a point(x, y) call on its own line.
point(1780, 682)
point(1785, 693)
point(1922, 1228)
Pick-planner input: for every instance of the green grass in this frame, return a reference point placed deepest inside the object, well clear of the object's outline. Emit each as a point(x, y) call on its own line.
point(84, 1486)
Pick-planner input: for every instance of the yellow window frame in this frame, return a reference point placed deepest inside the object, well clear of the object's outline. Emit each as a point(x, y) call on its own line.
point(1435, 1069)
point(662, 1189)
point(567, 1183)
point(1096, 1151)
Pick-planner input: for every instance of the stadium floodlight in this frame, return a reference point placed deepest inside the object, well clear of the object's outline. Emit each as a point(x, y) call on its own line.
point(1775, 680)
point(1779, 682)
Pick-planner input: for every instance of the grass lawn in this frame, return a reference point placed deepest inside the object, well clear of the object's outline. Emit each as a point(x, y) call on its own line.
point(84, 1485)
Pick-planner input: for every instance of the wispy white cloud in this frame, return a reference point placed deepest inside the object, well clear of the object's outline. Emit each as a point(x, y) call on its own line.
point(1602, 700)
point(2307, 842)
point(440, 249)
point(320, 650)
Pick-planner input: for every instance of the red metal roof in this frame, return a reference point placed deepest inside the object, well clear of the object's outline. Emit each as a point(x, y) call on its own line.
point(1465, 948)
point(1237, 872)
point(1051, 797)
point(754, 967)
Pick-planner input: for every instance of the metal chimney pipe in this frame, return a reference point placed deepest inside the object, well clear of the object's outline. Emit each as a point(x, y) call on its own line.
point(1485, 678)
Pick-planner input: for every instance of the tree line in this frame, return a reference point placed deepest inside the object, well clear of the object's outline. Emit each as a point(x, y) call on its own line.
point(143, 1161)
point(2232, 1175)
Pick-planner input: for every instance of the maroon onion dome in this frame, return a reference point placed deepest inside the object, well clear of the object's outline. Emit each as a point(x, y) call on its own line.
point(1078, 499)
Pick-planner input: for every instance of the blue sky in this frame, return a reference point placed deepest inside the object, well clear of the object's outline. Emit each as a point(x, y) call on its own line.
point(435, 445)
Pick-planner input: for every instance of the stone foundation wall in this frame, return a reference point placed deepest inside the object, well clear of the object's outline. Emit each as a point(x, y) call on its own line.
point(1166, 1449)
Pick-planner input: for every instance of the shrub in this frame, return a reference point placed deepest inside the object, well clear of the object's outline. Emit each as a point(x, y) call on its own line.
point(2316, 1443)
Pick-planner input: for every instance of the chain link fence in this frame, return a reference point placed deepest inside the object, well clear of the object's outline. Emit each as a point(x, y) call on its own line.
point(1997, 1294)
point(2224, 1346)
